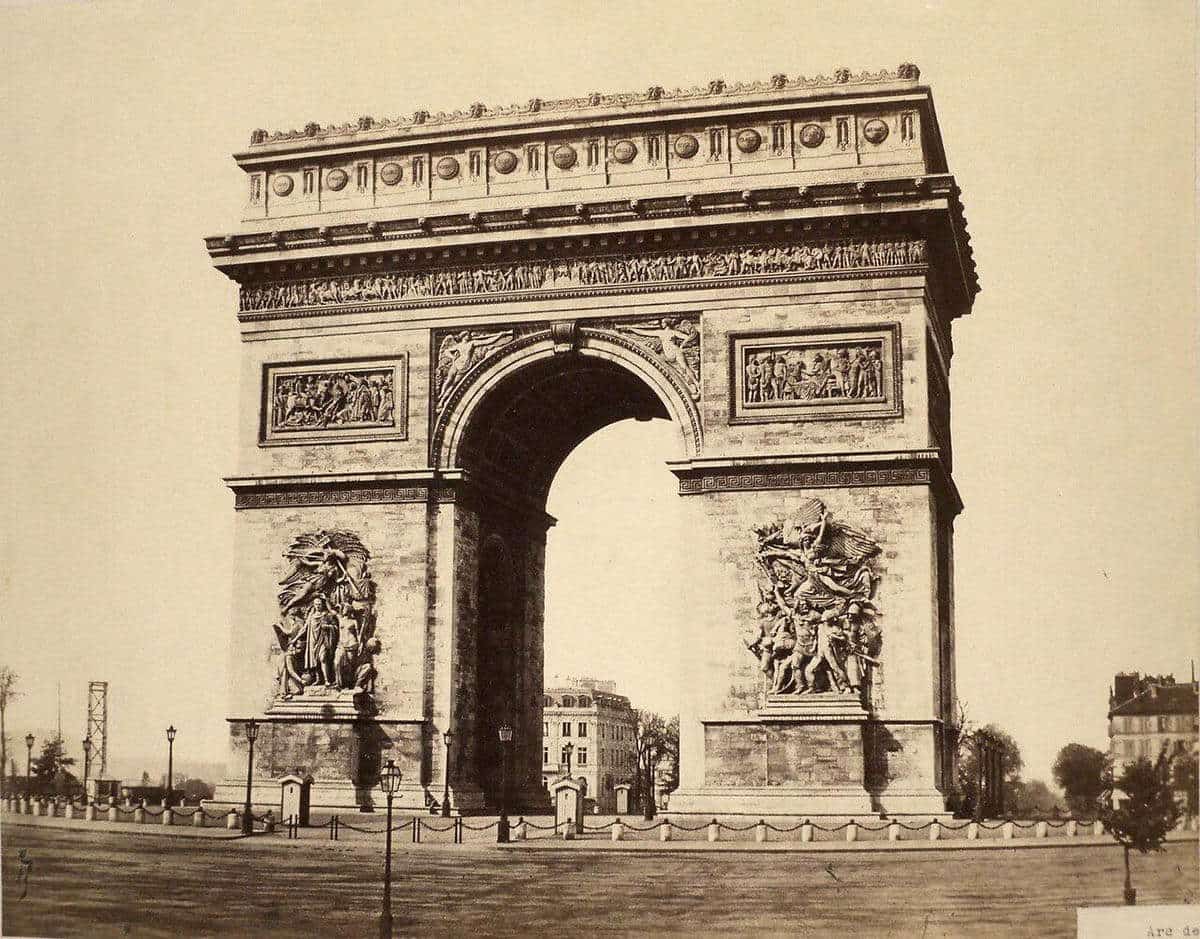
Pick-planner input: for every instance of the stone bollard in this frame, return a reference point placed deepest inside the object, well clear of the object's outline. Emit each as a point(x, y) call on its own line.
point(168, 815)
point(617, 830)
point(664, 831)
point(760, 832)
point(1041, 830)
point(89, 814)
point(231, 820)
point(894, 831)
point(128, 803)
point(935, 830)
point(69, 810)
point(112, 813)
point(139, 814)
point(1072, 828)
point(852, 831)
point(269, 823)
point(568, 829)
point(1009, 829)
point(521, 831)
point(806, 831)
point(972, 831)
point(198, 817)
point(39, 808)
point(1195, 824)
point(714, 830)
point(1098, 828)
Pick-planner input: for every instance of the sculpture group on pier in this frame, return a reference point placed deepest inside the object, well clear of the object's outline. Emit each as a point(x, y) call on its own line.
point(326, 632)
point(816, 629)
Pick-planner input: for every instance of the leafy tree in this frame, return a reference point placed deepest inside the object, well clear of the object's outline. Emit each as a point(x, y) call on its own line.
point(1080, 771)
point(145, 778)
point(1146, 813)
point(1184, 779)
point(50, 767)
point(657, 739)
point(196, 789)
point(8, 691)
point(968, 764)
point(1033, 799)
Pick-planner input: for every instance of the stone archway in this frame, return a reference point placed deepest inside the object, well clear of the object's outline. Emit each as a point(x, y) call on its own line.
point(516, 417)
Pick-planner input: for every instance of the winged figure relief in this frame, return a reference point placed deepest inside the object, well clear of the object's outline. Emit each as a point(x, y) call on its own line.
point(817, 629)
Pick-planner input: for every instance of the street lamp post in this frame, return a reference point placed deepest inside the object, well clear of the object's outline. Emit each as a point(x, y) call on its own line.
point(247, 813)
point(506, 735)
point(648, 799)
point(567, 751)
point(389, 782)
point(29, 738)
point(446, 738)
point(170, 761)
point(87, 764)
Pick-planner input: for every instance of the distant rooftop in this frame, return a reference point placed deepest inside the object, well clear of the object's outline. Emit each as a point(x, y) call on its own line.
point(369, 128)
point(1153, 694)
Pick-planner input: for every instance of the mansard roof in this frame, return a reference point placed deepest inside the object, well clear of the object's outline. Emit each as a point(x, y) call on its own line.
point(1155, 698)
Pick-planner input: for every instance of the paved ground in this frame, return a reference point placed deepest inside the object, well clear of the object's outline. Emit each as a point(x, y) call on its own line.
point(109, 884)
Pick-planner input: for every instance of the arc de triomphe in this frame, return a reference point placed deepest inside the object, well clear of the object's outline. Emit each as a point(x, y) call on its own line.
point(436, 310)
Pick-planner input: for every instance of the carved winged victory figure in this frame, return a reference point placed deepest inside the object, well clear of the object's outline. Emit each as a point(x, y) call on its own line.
point(817, 628)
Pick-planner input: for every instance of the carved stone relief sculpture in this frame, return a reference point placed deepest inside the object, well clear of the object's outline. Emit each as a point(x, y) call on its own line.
point(546, 275)
point(326, 631)
point(816, 629)
point(328, 402)
point(675, 340)
point(816, 375)
point(458, 353)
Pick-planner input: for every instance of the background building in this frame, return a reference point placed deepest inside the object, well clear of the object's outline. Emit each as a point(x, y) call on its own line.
point(1147, 715)
point(601, 727)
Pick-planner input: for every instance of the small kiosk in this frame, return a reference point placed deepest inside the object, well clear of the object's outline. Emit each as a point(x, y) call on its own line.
point(568, 806)
point(293, 799)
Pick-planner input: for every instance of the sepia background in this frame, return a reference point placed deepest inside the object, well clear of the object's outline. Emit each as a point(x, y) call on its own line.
point(1069, 127)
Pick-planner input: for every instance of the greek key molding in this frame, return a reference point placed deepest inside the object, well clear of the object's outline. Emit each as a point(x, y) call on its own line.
point(740, 482)
point(331, 494)
point(740, 264)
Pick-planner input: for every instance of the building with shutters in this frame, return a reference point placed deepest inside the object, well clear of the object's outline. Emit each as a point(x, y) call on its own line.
point(601, 728)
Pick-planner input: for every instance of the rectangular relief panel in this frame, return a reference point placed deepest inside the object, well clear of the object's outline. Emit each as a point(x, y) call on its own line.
point(819, 374)
point(339, 401)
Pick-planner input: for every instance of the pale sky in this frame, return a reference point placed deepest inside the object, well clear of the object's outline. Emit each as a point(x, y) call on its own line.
point(1070, 128)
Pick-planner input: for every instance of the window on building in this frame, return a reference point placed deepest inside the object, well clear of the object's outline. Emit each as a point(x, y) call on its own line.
point(545, 755)
point(593, 158)
point(582, 751)
point(545, 728)
point(907, 125)
point(363, 176)
point(581, 729)
point(568, 701)
point(653, 148)
point(547, 701)
point(562, 756)
point(255, 188)
point(308, 182)
point(566, 728)
point(1127, 747)
point(418, 176)
point(585, 702)
point(475, 163)
point(533, 159)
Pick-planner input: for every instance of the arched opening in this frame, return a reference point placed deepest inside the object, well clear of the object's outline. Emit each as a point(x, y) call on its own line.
point(509, 439)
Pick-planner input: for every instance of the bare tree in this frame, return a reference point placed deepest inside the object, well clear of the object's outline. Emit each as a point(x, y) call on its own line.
point(8, 691)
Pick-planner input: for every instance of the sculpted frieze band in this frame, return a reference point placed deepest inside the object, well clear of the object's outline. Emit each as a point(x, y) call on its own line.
point(542, 275)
